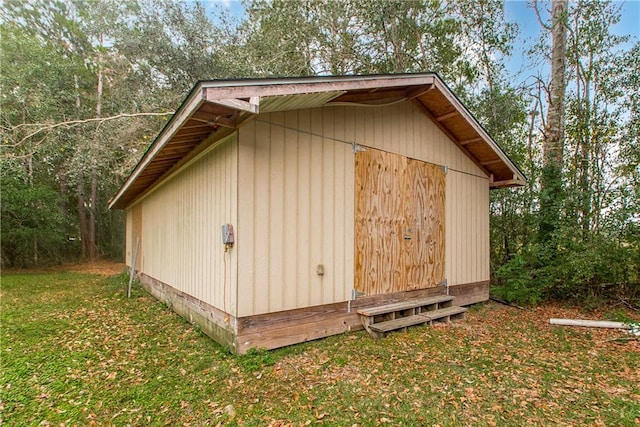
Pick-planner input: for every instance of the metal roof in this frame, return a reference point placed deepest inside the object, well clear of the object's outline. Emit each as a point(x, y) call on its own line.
point(216, 108)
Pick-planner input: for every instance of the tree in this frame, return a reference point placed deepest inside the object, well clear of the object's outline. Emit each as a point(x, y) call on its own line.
point(32, 224)
point(553, 138)
point(62, 76)
point(173, 44)
point(587, 226)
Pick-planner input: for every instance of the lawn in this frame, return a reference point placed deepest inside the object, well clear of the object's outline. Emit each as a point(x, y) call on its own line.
point(76, 351)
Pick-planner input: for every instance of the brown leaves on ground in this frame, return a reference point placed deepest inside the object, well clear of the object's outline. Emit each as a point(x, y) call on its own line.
point(101, 267)
point(498, 366)
point(89, 355)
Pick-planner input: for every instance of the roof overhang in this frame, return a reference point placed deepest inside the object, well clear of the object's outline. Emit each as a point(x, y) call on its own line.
point(214, 109)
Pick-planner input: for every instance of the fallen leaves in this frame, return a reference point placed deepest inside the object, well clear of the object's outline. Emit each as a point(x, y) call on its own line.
point(108, 360)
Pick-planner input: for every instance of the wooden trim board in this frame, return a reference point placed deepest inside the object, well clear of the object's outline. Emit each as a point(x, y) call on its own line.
point(470, 293)
point(218, 325)
point(273, 330)
point(279, 329)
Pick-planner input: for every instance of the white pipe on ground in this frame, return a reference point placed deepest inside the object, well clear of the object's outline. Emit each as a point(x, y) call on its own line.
point(589, 323)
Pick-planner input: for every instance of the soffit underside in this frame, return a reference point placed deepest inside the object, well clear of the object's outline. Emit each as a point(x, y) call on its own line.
point(222, 116)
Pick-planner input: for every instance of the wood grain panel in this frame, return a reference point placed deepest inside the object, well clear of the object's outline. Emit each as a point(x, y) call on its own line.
point(425, 213)
point(272, 330)
point(399, 223)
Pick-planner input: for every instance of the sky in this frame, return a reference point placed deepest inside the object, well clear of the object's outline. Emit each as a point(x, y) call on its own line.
point(518, 11)
point(521, 12)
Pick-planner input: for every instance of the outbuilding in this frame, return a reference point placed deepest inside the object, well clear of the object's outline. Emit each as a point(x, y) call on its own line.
point(269, 211)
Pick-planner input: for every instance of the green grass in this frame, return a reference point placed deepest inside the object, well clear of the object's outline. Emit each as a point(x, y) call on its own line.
point(76, 351)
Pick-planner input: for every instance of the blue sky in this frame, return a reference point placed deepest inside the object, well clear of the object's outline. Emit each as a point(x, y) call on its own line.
point(519, 11)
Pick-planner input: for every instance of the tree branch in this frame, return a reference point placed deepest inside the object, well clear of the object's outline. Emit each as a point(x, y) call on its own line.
point(39, 127)
point(542, 24)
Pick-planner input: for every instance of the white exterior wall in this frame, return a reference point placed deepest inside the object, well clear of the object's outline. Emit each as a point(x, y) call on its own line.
point(181, 228)
point(129, 247)
point(296, 201)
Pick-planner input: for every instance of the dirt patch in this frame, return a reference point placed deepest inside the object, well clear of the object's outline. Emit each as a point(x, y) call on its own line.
point(101, 267)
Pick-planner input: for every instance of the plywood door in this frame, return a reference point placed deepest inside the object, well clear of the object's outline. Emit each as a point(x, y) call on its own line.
point(399, 226)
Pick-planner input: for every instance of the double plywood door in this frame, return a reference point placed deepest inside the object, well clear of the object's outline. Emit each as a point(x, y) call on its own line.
point(400, 223)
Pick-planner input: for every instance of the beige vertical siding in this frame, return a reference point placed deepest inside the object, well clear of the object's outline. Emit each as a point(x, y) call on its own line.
point(181, 228)
point(128, 233)
point(137, 237)
point(467, 228)
point(295, 213)
point(296, 201)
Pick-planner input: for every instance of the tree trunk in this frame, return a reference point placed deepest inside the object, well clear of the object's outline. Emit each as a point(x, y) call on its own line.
point(30, 175)
point(92, 246)
point(82, 215)
point(93, 197)
point(553, 144)
point(62, 188)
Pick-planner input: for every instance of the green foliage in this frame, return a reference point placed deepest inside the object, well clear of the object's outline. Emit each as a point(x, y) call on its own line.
point(256, 359)
point(516, 282)
point(573, 233)
point(376, 36)
point(599, 269)
point(551, 198)
point(171, 45)
point(76, 351)
point(619, 315)
point(32, 224)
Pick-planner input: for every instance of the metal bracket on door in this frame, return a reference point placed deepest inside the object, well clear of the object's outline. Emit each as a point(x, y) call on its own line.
point(357, 148)
point(354, 295)
point(445, 283)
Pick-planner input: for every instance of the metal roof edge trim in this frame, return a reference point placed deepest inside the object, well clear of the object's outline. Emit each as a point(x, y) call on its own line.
point(310, 79)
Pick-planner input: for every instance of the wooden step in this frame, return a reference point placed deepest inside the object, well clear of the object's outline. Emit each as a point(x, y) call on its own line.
point(401, 323)
point(380, 329)
point(404, 305)
point(446, 313)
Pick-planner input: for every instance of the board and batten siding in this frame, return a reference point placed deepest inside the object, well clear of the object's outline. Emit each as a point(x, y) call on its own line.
point(129, 239)
point(181, 228)
point(466, 228)
point(296, 201)
point(295, 214)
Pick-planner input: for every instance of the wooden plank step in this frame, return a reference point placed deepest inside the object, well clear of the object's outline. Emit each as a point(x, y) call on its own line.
point(403, 305)
point(444, 312)
point(403, 322)
point(417, 319)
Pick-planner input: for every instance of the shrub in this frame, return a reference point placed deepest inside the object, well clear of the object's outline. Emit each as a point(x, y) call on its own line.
point(32, 225)
point(598, 269)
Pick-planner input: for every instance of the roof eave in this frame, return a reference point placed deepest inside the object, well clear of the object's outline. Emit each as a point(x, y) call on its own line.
point(186, 109)
point(518, 177)
point(243, 98)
